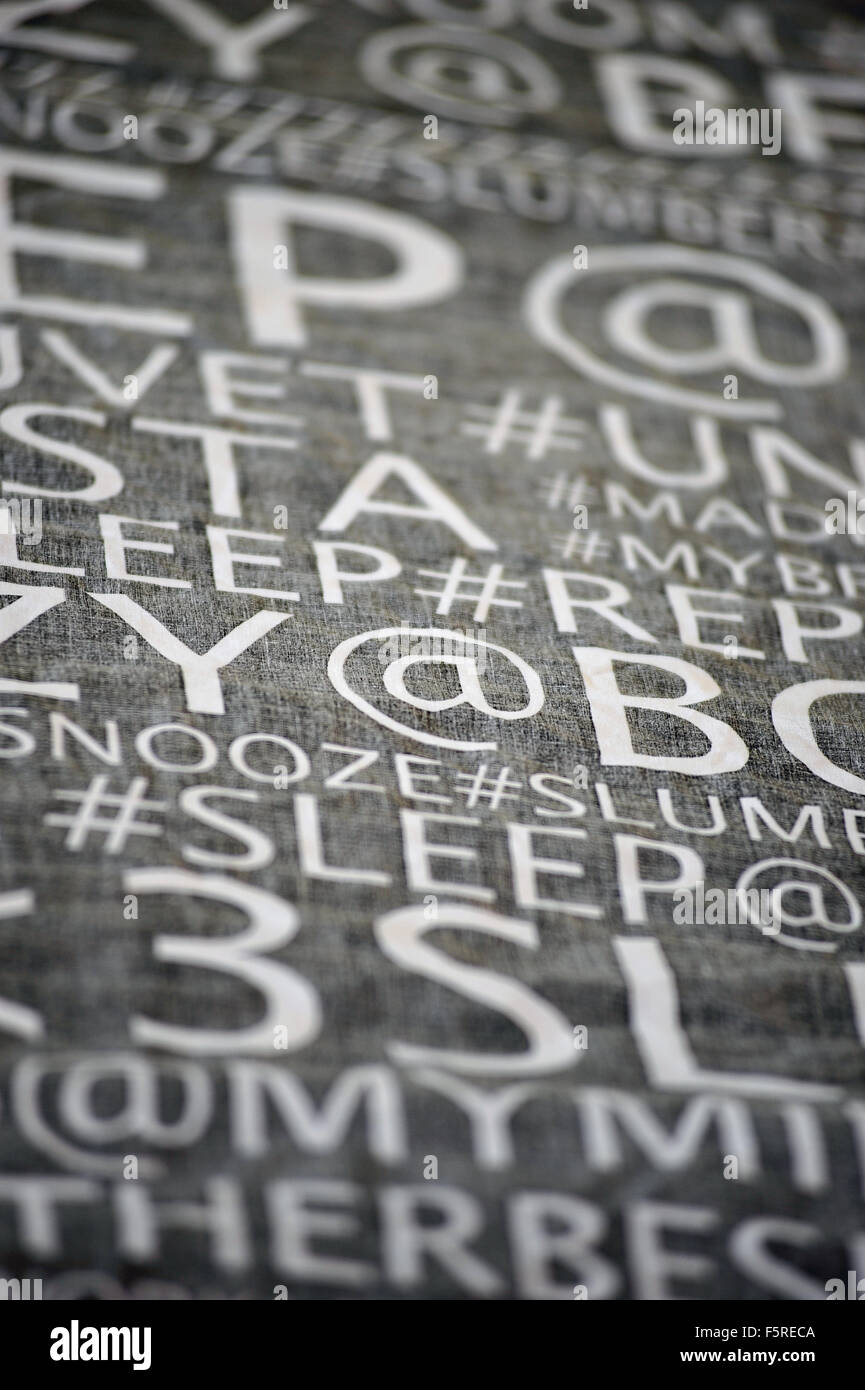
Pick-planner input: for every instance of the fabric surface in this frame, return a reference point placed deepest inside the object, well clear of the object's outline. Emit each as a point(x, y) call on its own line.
point(365, 977)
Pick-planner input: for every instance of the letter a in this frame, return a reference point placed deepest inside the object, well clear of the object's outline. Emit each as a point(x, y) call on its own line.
point(437, 506)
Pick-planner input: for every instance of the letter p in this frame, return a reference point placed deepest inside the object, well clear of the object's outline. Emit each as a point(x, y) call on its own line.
point(429, 264)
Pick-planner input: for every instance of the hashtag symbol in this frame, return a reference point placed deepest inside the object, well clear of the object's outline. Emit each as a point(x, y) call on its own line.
point(478, 782)
point(586, 547)
point(555, 489)
point(541, 430)
point(117, 827)
point(484, 598)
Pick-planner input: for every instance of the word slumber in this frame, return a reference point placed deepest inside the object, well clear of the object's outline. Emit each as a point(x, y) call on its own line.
point(715, 907)
point(731, 127)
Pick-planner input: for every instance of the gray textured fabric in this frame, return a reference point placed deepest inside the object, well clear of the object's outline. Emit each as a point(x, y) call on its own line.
point(702, 1138)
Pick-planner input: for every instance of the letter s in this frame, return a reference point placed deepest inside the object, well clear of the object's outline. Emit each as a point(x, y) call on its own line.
point(400, 935)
